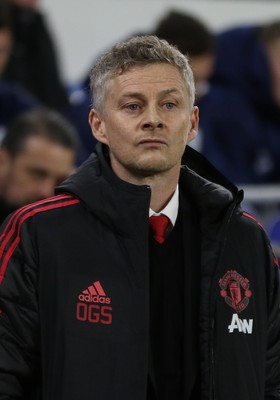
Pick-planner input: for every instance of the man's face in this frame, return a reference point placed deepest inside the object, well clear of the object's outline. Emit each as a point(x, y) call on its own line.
point(147, 121)
point(32, 174)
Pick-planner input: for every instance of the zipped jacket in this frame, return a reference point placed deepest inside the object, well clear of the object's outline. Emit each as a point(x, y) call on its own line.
point(74, 291)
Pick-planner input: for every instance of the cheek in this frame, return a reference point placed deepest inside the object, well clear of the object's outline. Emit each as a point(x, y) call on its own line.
point(184, 132)
point(17, 187)
point(117, 134)
point(21, 183)
point(16, 176)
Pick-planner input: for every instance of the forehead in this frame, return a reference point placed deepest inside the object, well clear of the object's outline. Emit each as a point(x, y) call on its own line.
point(42, 148)
point(158, 76)
point(46, 153)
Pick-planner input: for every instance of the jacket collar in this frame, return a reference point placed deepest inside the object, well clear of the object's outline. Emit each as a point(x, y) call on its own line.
point(104, 194)
point(113, 200)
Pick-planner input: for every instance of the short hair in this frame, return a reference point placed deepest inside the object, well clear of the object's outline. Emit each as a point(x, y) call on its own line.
point(188, 33)
point(39, 122)
point(136, 51)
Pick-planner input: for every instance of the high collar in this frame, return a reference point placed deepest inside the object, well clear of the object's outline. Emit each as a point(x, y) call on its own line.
point(115, 201)
point(108, 197)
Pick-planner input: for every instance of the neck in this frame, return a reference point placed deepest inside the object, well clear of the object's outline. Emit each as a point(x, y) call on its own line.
point(161, 193)
point(162, 185)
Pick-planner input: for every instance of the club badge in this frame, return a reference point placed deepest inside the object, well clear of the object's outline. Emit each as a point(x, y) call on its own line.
point(235, 290)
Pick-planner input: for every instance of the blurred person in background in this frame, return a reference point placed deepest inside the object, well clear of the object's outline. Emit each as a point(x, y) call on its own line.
point(33, 63)
point(240, 114)
point(13, 99)
point(194, 39)
point(37, 153)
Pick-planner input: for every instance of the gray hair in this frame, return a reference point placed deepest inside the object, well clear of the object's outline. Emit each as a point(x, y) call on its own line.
point(137, 51)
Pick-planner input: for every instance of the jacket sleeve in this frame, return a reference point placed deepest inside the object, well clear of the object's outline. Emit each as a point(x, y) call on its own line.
point(19, 326)
point(272, 387)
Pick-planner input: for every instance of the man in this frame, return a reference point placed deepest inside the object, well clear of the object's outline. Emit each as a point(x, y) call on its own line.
point(36, 154)
point(190, 35)
point(131, 315)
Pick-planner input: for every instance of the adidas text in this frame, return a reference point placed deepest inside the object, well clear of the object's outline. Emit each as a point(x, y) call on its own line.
point(89, 298)
point(241, 325)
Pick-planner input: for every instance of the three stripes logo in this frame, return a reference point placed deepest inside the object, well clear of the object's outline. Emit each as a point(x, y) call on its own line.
point(95, 294)
point(93, 305)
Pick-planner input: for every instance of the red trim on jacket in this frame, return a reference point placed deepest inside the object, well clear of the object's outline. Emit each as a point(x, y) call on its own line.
point(17, 219)
point(245, 214)
point(24, 208)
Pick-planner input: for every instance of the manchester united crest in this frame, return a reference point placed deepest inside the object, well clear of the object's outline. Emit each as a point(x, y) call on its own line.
point(235, 290)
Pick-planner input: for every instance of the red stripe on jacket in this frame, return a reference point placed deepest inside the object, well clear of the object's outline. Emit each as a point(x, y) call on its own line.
point(16, 221)
point(253, 218)
point(21, 210)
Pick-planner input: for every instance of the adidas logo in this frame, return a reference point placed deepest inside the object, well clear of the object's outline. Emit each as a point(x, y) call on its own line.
point(94, 294)
point(88, 311)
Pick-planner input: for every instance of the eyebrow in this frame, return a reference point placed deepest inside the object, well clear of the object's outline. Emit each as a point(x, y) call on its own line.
point(140, 95)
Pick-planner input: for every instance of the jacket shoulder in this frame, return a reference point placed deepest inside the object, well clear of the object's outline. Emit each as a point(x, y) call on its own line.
point(30, 210)
point(12, 231)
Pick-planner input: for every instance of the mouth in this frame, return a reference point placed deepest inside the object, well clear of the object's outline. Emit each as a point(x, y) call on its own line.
point(154, 142)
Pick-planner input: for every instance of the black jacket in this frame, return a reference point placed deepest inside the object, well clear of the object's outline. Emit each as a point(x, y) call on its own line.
point(74, 292)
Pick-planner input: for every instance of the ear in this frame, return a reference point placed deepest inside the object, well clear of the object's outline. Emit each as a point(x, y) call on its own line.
point(194, 124)
point(97, 126)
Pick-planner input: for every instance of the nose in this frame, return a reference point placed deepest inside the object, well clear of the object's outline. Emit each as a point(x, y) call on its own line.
point(152, 119)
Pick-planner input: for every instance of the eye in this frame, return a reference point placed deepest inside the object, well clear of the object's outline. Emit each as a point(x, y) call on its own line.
point(169, 105)
point(133, 107)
